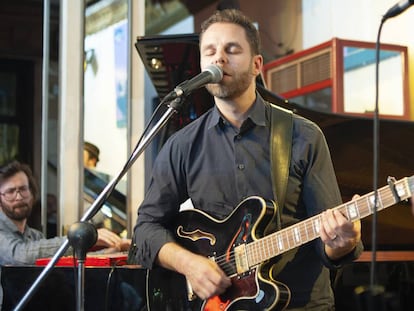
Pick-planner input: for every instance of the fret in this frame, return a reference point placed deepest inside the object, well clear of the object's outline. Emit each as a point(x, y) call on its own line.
point(250, 253)
point(280, 242)
point(290, 239)
point(306, 229)
point(310, 233)
point(255, 252)
point(266, 248)
point(401, 190)
point(269, 248)
point(296, 235)
point(352, 211)
point(388, 198)
point(258, 251)
point(303, 235)
point(370, 203)
point(255, 248)
point(302, 232)
point(363, 207)
point(316, 225)
point(285, 237)
point(275, 243)
point(380, 206)
point(273, 246)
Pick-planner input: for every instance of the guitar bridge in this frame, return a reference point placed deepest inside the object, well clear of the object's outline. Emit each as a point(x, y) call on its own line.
point(240, 257)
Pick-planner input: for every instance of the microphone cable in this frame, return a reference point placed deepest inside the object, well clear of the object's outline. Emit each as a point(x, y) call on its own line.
point(394, 11)
point(376, 155)
point(372, 298)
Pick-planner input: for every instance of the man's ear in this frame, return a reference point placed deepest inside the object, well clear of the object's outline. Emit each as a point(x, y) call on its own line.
point(257, 65)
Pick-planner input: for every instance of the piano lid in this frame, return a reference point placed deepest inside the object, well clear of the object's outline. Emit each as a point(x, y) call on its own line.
point(171, 59)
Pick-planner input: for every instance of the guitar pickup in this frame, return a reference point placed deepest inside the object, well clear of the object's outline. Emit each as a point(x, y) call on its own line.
point(240, 257)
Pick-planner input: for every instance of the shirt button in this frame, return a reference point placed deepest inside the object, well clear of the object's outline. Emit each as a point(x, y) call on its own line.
point(238, 137)
point(241, 166)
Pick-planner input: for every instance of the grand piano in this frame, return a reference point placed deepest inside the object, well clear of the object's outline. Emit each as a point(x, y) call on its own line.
point(171, 59)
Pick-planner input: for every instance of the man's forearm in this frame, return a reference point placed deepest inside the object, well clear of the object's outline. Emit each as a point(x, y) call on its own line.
point(173, 256)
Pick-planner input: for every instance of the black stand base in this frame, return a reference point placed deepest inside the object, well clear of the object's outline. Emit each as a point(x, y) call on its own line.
point(370, 298)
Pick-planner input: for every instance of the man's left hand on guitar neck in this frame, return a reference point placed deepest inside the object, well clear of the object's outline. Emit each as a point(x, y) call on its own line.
point(339, 234)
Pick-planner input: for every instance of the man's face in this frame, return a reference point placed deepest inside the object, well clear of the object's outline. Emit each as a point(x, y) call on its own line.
point(19, 207)
point(226, 45)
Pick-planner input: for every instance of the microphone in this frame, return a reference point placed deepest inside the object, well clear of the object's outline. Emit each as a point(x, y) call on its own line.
point(398, 8)
point(211, 74)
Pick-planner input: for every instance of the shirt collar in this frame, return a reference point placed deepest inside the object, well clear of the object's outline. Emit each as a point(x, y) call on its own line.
point(257, 113)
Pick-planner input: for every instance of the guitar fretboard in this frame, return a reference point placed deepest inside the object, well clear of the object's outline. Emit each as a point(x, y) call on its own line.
point(305, 231)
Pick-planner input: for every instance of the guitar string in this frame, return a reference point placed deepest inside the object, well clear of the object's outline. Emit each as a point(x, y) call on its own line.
point(228, 262)
point(303, 231)
point(289, 238)
point(363, 205)
point(228, 265)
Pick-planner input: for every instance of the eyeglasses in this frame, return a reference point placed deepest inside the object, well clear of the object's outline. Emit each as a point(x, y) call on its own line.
point(11, 193)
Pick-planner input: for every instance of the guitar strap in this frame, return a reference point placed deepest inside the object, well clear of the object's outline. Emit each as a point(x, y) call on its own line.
point(280, 153)
point(281, 123)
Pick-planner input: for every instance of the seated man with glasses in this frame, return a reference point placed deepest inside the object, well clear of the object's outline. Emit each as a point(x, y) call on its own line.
point(19, 243)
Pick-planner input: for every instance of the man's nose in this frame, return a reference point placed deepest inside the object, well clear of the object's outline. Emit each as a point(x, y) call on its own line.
point(19, 195)
point(220, 57)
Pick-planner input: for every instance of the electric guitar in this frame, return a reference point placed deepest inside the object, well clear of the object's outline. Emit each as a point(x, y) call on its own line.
point(240, 246)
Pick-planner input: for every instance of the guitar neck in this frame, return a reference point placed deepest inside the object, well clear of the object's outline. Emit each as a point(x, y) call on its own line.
point(305, 231)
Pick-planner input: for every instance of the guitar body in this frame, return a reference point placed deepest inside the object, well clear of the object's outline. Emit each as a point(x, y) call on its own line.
point(204, 235)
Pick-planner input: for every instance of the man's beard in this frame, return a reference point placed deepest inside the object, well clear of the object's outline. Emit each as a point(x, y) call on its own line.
point(238, 86)
point(18, 212)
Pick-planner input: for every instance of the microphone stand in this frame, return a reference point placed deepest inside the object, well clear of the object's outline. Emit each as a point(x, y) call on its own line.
point(82, 236)
point(173, 107)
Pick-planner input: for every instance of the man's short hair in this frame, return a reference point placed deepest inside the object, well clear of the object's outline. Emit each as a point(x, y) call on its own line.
point(92, 150)
point(234, 16)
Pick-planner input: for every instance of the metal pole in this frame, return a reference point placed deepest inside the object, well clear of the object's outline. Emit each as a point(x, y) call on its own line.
point(80, 301)
point(45, 114)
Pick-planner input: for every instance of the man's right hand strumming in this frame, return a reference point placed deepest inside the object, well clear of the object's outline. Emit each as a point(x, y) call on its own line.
point(204, 276)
